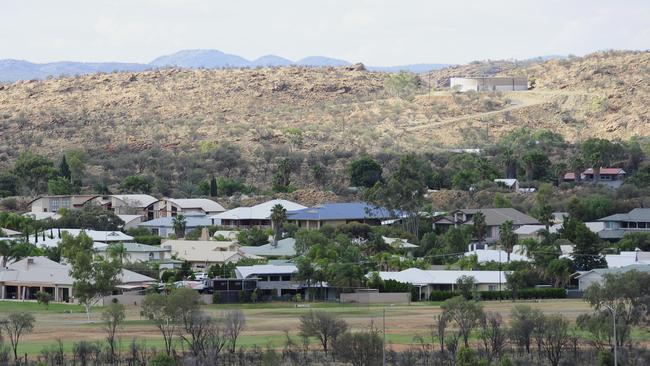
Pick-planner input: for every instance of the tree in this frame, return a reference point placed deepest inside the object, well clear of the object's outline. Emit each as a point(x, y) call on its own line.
point(158, 309)
point(8, 184)
point(465, 313)
point(282, 176)
point(479, 226)
point(5, 252)
point(179, 223)
point(632, 241)
point(493, 335)
point(536, 164)
point(90, 217)
point(466, 285)
point(64, 169)
point(278, 218)
point(234, 322)
point(554, 337)
point(118, 251)
point(364, 172)
point(508, 237)
point(59, 186)
point(113, 315)
point(403, 84)
point(15, 326)
point(360, 348)
point(559, 271)
point(514, 281)
point(213, 187)
point(33, 171)
point(626, 295)
point(93, 275)
point(43, 297)
point(252, 237)
point(586, 253)
point(523, 324)
point(135, 184)
point(599, 153)
point(324, 326)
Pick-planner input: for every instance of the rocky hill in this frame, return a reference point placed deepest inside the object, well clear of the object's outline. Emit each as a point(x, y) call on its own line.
point(135, 120)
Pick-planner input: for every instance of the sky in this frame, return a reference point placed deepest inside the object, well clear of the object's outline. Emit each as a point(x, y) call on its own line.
point(377, 32)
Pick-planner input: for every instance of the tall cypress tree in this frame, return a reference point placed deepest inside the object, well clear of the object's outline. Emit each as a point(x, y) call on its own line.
point(213, 187)
point(64, 169)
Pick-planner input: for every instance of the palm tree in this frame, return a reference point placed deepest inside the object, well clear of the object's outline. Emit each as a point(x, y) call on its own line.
point(5, 252)
point(508, 237)
point(179, 224)
point(118, 251)
point(278, 218)
point(480, 228)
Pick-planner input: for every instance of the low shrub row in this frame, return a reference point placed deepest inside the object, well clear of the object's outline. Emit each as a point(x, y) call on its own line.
point(523, 294)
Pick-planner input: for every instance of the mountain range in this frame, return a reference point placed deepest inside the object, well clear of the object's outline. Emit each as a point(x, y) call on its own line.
point(14, 70)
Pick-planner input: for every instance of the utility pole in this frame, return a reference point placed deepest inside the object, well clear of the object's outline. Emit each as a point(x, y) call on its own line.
point(383, 348)
point(613, 311)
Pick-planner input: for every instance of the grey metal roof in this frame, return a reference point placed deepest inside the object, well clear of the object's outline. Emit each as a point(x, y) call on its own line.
point(136, 247)
point(497, 216)
point(190, 222)
point(285, 248)
point(637, 214)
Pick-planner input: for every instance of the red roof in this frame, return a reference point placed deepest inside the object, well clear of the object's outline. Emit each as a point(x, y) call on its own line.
point(614, 171)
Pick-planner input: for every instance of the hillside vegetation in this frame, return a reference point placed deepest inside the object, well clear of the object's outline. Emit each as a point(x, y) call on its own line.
point(177, 123)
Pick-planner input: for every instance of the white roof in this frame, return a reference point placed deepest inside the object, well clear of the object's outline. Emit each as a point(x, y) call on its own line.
point(508, 182)
point(96, 236)
point(264, 269)
point(10, 232)
point(595, 227)
point(206, 251)
point(627, 258)
point(205, 204)
point(228, 234)
point(136, 200)
point(129, 218)
point(399, 243)
point(490, 255)
point(41, 270)
point(42, 215)
point(257, 212)
point(416, 276)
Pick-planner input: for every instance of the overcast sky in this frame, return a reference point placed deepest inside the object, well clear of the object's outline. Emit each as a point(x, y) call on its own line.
point(375, 32)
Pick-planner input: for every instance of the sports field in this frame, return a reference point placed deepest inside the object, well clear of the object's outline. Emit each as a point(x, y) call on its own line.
point(266, 323)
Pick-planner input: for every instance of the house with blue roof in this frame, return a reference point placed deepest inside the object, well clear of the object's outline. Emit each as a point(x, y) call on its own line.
point(164, 226)
point(336, 214)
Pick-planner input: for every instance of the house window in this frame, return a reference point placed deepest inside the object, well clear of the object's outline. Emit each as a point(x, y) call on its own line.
point(274, 278)
point(493, 288)
point(54, 204)
point(65, 202)
point(150, 256)
point(286, 278)
point(643, 225)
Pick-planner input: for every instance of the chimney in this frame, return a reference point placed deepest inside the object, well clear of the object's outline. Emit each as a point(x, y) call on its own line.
point(205, 234)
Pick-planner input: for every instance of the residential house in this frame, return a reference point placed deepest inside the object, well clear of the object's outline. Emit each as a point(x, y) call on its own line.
point(401, 245)
point(54, 203)
point(495, 255)
point(535, 231)
point(336, 214)
point(616, 226)
point(125, 204)
point(489, 83)
point(51, 237)
point(254, 216)
point(627, 258)
point(164, 226)
point(135, 252)
point(612, 177)
point(284, 249)
point(38, 216)
point(427, 281)
point(21, 280)
point(512, 184)
point(586, 279)
point(494, 218)
point(170, 207)
point(8, 233)
point(130, 221)
point(204, 253)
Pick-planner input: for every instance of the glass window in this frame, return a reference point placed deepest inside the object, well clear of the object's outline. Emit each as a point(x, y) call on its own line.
point(54, 204)
point(286, 278)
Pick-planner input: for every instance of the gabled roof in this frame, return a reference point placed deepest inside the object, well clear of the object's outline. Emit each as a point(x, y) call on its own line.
point(9, 232)
point(491, 255)
point(134, 248)
point(614, 171)
point(341, 211)
point(95, 235)
point(205, 204)
point(637, 214)
point(167, 222)
point(77, 199)
point(602, 271)
point(419, 277)
point(497, 216)
point(257, 212)
point(136, 200)
point(264, 269)
point(128, 218)
point(206, 251)
point(399, 243)
point(42, 215)
point(508, 182)
point(285, 248)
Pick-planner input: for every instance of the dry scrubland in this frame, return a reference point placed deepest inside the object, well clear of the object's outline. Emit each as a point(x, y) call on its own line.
point(336, 109)
point(266, 323)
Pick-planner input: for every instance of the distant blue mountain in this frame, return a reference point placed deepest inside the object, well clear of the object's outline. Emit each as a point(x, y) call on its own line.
point(13, 70)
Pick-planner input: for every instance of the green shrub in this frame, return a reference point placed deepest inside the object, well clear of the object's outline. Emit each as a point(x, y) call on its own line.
point(523, 294)
point(162, 359)
point(441, 295)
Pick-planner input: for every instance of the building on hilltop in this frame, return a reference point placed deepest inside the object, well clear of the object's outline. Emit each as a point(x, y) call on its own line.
point(493, 83)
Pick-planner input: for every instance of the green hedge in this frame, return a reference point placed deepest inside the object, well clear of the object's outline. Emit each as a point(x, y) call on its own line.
point(523, 294)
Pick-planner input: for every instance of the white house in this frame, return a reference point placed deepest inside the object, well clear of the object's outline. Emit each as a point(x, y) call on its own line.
point(125, 204)
point(512, 184)
point(429, 280)
point(21, 280)
point(54, 203)
point(494, 83)
point(136, 252)
point(588, 278)
point(51, 237)
point(254, 216)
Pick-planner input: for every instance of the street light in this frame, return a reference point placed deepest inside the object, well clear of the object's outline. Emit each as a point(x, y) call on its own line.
point(611, 309)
